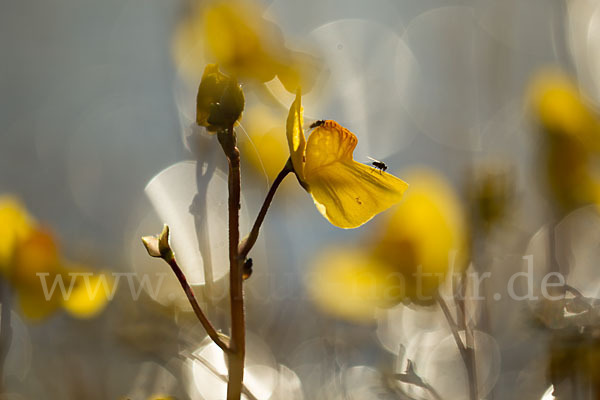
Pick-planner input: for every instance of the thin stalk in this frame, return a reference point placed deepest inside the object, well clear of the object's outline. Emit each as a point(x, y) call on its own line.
point(216, 373)
point(453, 326)
point(249, 242)
point(5, 331)
point(212, 332)
point(463, 350)
point(469, 343)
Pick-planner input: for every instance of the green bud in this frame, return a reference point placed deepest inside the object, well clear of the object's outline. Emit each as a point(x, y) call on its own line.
point(220, 100)
point(158, 246)
point(163, 244)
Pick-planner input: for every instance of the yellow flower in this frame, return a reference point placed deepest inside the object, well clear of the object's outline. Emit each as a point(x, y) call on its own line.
point(89, 295)
point(35, 254)
point(562, 110)
point(572, 140)
point(351, 284)
point(490, 191)
point(15, 225)
point(422, 236)
point(409, 257)
point(345, 192)
point(234, 34)
point(29, 254)
point(266, 148)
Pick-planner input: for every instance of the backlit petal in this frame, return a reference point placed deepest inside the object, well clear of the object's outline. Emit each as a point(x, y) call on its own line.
point(346, 192)
point(327, 144)
point(295, 136)
point(349, 194)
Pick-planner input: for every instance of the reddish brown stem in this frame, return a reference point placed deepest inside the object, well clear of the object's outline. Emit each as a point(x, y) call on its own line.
point(212, 332)
point(236, 291)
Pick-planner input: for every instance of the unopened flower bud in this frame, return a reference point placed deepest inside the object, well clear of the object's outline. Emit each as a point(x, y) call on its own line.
point(220, 100)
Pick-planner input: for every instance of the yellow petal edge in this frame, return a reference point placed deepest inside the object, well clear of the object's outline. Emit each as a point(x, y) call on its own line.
point(295, 136)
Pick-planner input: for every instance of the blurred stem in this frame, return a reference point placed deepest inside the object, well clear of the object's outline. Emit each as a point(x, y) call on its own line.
point(5, 331)
point(212, 332)
point(464, 351)
point(249, 242)
point(237, 353)
point(469, 342)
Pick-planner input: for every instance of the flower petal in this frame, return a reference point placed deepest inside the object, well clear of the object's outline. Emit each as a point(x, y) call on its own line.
point(349, 194)
point(295, 136)
point(15, 225)
point(328, 143)
point(346, 192)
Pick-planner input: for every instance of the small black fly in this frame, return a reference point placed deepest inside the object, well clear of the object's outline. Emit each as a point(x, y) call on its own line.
point(317, 124)
point(380, 165)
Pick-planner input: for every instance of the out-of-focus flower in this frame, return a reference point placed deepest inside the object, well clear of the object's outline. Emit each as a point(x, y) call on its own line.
point(422, 235)
point(266, 150)
point(489, 191)
point(345, 192)
point(234, 34)
point(409, 257)
point(572, 140)
point(562, 110)
point(351, 283)
point(15, 225)
point(29, 255)
point(220, 100)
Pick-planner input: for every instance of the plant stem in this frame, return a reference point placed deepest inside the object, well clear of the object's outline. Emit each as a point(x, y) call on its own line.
point(216, 373)
point(212, 332)
point(469, 341)
point(235, 357)
point(247, 244)
point(5, 331)
point(452, 325)
point(467, 353)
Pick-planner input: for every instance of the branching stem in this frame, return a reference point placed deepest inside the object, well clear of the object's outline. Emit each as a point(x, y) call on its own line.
point(467, 353)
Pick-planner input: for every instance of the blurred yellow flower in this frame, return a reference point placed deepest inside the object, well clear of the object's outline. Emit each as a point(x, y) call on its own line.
point(345, 192)
point(409, 257)
point(15, 225)
point(28, 255)
point(423, 235)
point(562, 110)
point(89, 295)
point(490, 190)
point(351, 284)
point(234, 34)
point(266, 148)
point(572, 140)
